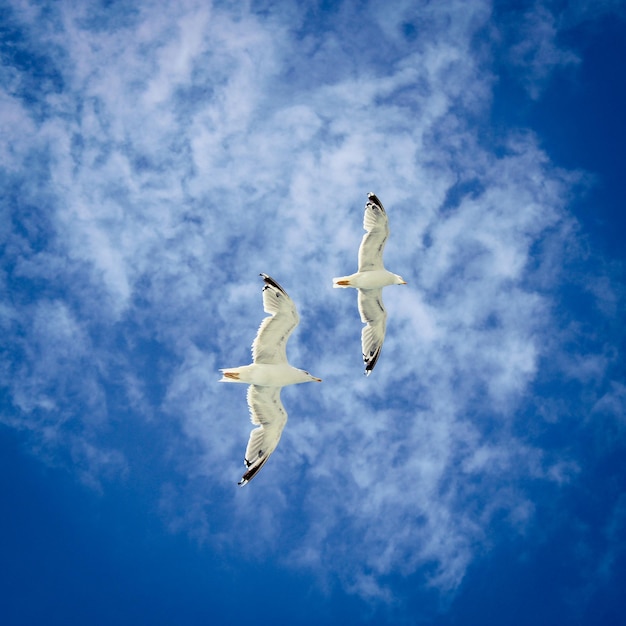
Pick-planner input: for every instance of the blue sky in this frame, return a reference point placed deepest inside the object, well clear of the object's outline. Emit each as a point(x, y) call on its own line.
point(157, 156)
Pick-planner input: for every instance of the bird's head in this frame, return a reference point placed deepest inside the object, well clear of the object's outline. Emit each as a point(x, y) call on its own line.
point(309, 378)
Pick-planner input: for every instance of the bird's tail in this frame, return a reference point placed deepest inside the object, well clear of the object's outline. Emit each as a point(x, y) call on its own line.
point(342, 281)
point(229, 375)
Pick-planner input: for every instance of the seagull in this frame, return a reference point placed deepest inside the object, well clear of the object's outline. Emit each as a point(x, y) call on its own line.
point(267, 375)
point(370, 280)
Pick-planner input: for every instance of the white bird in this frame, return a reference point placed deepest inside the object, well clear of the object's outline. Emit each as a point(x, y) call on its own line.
point(370, 280)
point(269, 372)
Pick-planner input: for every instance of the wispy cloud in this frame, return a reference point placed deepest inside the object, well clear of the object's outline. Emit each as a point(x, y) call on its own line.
point(535, 38)
point(177, 151)
point(536, 51)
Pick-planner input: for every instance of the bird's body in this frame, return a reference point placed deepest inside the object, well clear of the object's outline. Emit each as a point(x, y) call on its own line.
point(370, 280)
point(267, 375)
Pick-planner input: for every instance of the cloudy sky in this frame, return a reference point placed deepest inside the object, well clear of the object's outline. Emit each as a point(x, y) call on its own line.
point(155, 157)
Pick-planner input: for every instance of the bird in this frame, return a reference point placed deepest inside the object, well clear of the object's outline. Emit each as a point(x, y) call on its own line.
point(267, 375)
point(370, 280)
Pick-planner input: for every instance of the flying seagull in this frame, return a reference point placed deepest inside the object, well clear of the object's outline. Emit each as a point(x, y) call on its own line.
point(267, 375)
point(370, 280)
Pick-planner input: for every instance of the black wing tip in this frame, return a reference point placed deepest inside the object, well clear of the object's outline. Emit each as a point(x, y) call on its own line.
point(371, 360)
point(270, 281)
point(252, 471)
point(374, 199)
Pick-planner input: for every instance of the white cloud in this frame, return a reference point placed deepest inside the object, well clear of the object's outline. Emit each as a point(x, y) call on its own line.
point(537, 52)
point(532, 40)
point(192, 149)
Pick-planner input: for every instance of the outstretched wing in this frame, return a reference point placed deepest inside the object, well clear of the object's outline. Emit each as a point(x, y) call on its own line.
point(373, 313)
point(267, 411)
point(376, 224)
point(270, 343)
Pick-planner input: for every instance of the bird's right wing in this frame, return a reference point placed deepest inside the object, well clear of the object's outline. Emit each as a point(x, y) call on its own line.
point(376, 224)
point(270, 343)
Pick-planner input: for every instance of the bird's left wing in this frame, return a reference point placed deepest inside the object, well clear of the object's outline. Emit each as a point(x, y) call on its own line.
point(270, 343)
point(376, 224)
point(373, 314)
point(267, 411)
